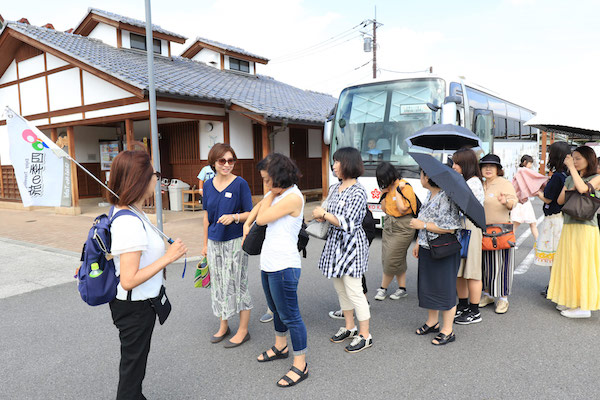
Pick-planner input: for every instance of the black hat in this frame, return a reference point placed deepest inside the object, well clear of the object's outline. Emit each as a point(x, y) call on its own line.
point(490, 159)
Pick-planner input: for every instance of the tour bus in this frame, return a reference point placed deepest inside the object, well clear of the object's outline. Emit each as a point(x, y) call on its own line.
point(377, 117)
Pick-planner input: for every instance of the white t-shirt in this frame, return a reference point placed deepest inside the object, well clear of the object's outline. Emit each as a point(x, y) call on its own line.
point(129, 235)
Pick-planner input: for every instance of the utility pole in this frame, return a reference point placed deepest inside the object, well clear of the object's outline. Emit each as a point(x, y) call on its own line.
point(375, 45)
point(370, 43)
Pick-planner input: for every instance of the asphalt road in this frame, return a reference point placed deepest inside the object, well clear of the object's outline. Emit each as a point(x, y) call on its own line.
point(54, 346)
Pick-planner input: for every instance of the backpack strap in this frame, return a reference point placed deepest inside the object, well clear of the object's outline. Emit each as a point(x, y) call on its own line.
point(407, 200)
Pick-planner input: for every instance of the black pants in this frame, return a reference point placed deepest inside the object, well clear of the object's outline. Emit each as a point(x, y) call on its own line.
point(135, 321)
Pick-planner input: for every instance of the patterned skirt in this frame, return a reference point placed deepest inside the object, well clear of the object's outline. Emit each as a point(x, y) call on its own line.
point(498, 268)
point(228, 265)
point(547, 242)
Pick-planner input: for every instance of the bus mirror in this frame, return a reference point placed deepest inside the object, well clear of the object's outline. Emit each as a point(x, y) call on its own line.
point(433, 107)
point(327, 128)
point(449, 113)
point(453, 99)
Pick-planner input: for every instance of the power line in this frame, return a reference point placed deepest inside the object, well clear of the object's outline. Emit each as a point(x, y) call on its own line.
point(342, 75)
point(315, 51)
point(403, 72)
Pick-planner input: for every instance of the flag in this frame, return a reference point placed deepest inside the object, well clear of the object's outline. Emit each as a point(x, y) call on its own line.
point(42, 169)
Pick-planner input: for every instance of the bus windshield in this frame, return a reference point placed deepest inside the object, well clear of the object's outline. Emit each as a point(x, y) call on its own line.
point(377, 118)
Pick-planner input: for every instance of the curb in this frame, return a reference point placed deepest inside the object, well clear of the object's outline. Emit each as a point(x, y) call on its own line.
point(41, 247)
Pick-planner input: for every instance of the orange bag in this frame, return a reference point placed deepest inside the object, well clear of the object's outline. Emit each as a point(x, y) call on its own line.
point(498, 237)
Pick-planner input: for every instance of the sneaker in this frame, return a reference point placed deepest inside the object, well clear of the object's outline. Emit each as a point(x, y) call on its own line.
point(359, 343)
point(266, 318)
point(501, 306)
point(486, 300)
point(339, 314)
point(398, 294)
point(381, 294)
point(343, 334)
point(468, 317)
point(561, 308)
point(576, 313)
point(460, 310)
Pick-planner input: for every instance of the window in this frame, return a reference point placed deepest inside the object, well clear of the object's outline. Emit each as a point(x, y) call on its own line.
point(239, 65)
point(139, 42)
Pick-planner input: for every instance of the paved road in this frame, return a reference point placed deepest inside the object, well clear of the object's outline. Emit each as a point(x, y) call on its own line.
point(53, 346)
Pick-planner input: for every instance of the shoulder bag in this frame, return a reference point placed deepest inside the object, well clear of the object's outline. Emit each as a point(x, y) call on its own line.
point(581, 206)
point(202, 275)
point(498, 237)
point(443, 246)
point(254, 240)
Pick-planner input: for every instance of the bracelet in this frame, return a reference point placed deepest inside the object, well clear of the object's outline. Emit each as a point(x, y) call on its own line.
point(425, 225)
point(324, 214)
point(238, 218)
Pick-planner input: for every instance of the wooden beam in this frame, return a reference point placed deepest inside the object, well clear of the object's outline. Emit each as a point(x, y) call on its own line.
point(184, 115)
point(324, 167)
point(544, 145)
point(249, 114)
point(186, 101)
point(19, 89)
point(53, 134)
point(136, 116)
point(81, 89)
point(35, 76)
point(1, 181)
point(222, 61)
point(226, 138)
point(47, 87)
point(265, 147)
point(119, 38)
point(74, 183)
point(129, 133)
point(169, 47)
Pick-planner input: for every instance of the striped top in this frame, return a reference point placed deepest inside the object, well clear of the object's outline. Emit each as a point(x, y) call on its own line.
point(346, 250)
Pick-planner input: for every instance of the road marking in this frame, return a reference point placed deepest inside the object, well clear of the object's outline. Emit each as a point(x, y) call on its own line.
point(528, 260)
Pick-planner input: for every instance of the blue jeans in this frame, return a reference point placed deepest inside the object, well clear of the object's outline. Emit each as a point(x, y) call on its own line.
point(280, 290)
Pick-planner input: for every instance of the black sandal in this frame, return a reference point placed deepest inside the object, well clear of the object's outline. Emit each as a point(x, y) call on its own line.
point(302, 374)
point(425, 329)
point(278, 354)
point(443, 339)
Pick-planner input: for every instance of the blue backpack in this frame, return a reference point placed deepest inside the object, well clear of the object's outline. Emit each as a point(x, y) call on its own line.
point(97, 282)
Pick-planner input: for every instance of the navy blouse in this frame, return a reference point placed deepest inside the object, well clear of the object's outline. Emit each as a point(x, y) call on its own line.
point(234, 199)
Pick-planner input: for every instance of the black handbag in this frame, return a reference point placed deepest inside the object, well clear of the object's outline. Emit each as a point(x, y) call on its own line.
point(254, 240)
point(582, 206)
point(443, 246)
point(161, 305)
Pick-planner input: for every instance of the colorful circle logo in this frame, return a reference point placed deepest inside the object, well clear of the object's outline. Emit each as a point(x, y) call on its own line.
point(30, 137)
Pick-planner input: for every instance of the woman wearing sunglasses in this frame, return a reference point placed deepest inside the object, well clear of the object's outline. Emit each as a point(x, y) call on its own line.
point(228, 202)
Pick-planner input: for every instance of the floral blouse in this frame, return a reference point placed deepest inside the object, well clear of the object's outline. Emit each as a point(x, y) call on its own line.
point(476, 187)
point(441, 211)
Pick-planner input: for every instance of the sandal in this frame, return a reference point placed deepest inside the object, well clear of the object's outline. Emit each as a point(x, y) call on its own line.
point(425, 329)
point(302, 374)
point(443, 339)
point(278, 354)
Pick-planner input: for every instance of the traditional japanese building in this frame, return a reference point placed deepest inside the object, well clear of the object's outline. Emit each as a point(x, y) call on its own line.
point(89, 86)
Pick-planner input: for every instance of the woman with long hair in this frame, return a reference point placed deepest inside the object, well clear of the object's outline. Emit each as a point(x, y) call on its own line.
point(346, 253)
point(575, 277)
point(140, 259)
point(228, 202)
point(468, 282)
point(498, 265)
point(399, 205)
point(547, 242)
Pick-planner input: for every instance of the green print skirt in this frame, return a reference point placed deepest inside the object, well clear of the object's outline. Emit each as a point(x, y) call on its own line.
point(228, 265)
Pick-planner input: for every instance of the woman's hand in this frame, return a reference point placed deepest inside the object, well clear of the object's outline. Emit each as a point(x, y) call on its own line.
point(415, 251)
point(226, 219)
point(417, 224)
point(204, 251)
point(569, 161)
point(176, 250)
point(502, 199)
point(318, 213)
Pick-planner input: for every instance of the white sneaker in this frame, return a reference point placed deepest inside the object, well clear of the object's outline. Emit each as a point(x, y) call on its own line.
point(398, 294)
point(381, 294)
point(339, 314)
point(561, 308)
point(576, 313)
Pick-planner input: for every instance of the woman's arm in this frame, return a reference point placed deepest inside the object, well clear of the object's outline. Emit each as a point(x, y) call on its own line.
point(561, 196)
point(131, 274)
point(540, 195)
point(204, 250)
point(429, 226)
point(402, 203)
point(289, 205)
point(580, 185)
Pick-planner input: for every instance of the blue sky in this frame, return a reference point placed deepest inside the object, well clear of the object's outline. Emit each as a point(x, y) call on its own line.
point(537, 52)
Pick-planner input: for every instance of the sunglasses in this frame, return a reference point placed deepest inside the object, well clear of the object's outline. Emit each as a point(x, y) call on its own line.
point(157, 174)
point(223, 161)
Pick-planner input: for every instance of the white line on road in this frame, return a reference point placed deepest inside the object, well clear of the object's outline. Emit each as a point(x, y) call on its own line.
point(524, 265)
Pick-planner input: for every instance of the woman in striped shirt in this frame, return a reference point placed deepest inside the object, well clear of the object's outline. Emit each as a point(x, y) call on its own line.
point(346, 252)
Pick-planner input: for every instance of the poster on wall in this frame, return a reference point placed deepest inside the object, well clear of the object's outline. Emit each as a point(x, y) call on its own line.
point(108, 152)
point(510, 153)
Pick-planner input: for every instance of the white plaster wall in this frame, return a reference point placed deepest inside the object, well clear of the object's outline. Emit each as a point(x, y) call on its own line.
point(33, 96)
point(240, 135)
point(125, 39)
point(164, 47)
point(206, 56)
point(87, 142)
point(4, 156)
point(189, 108)
point(38, 122)
point(282, 142)
point(314, 143)
point(10, 74)
point(66, 118)
point(31, 66)
point(117, 110)
point(54, 62)
point(9, 96)
point(65, 90)
point(105, 33)
point(208, 139)
point(96, 90)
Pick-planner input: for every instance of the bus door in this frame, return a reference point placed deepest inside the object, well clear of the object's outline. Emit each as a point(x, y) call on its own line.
point(483, 127)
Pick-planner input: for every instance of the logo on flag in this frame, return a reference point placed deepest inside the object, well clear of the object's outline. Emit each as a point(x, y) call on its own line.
point(42, 170)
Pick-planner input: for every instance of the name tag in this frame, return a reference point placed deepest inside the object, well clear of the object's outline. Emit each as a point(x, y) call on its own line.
point(393, 198)
point(228, 195)
point(342, 203)
point(163, 300)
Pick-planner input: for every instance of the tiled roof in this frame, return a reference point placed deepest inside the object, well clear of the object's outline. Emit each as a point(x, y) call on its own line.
point(183, 77)
point(229, 48)
point(130, 21)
